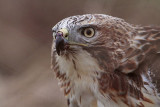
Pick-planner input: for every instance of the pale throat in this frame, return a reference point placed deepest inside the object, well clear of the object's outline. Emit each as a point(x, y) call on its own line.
point(82, 64)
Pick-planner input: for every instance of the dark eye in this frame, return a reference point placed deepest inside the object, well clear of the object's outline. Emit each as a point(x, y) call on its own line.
point(88, 32)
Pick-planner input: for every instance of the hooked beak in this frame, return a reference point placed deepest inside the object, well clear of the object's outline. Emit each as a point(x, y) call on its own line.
point(61, 42)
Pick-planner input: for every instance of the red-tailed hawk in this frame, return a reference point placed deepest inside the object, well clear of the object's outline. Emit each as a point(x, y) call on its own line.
point(103, 61)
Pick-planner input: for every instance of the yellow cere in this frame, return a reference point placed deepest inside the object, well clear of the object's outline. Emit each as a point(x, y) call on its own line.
point(65, 33)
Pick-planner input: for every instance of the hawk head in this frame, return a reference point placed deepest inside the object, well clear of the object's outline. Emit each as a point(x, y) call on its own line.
point(104, 38)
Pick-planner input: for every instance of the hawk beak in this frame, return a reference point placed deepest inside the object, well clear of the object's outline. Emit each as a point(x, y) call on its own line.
point(61, 42)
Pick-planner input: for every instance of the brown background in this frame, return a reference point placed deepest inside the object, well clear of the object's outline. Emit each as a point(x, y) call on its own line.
point(26, 79)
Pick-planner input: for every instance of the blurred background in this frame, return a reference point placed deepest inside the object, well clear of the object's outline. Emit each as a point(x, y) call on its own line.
point(26, 79)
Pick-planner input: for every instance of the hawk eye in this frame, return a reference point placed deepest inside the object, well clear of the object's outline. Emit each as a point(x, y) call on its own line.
point(88, 32)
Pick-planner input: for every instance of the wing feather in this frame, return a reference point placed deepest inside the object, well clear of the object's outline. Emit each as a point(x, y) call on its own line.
point(145, 54)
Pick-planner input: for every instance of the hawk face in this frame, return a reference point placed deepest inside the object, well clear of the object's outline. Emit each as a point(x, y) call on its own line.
point(101, 60)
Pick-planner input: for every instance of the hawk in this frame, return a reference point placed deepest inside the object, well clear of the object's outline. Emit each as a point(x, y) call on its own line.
point(103, 61)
